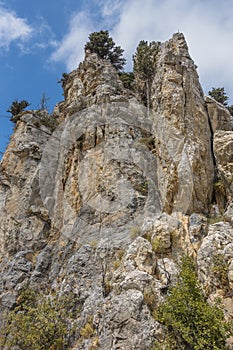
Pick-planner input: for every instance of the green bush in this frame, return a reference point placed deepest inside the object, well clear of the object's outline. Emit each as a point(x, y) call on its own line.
point(104, 46)
point(220, 269)
point(190, 321)
point(39, 322)
point(16, 108)
point(127, 79)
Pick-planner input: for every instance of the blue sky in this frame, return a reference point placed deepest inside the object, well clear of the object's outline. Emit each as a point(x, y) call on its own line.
point(39, 40)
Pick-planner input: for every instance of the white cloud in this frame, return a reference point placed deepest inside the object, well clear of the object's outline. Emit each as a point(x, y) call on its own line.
point(71, 48)
point(207, 26)
point(12, 28)
point(110, 8)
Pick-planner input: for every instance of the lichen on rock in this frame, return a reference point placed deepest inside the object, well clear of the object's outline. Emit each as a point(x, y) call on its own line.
point(107, 204)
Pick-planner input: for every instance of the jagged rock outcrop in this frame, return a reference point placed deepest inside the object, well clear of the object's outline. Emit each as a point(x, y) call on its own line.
point(105, 205)
point(222, 129)
point(220, 117)
point(183, 137)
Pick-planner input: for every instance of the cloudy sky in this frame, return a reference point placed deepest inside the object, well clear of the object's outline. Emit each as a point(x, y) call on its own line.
point(39, 40)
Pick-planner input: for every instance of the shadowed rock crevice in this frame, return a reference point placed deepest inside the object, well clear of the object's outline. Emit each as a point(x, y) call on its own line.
point(107, 204)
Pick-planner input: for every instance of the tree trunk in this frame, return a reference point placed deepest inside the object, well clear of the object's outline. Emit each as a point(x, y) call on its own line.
point(148, 97)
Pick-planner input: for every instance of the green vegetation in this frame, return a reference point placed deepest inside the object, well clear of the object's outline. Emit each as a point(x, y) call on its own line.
point(16, 108)
point(220, 96)
point(103, 45)
point(142, 187)
point(127, 79)
point(88, 333)
point(159, 245)
point(144, 69)
point(150, 298)
point(215, 219)
point(190, 321)
point(44, 118)
point(148, 142)
point(135, 231)
point(64, 79)
point(220, 269)
point(39, 322)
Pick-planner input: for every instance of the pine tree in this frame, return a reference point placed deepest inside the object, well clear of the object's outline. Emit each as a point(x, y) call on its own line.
point(16, 108)
point(219, 95)
point(144, 69)
point(104, 46)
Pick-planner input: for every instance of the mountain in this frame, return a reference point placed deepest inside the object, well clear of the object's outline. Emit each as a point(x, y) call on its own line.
point(100, 201)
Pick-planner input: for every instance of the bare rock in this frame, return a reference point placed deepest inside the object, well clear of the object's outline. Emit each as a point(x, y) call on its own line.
point(228, 215)
point(105, 205)
point(214, 258)
point(220, 117)
point(223, 150)
point(183, 135)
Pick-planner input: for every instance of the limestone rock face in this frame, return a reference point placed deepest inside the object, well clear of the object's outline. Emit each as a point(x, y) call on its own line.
point(95, 82)
point(223, 151)
point(219, 116)
point(105, 205)
point(25, 224)
point(222, 125)
point(183, 137)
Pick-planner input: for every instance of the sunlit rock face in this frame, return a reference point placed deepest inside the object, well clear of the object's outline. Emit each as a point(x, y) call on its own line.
point(181, 121)
point(104, 201)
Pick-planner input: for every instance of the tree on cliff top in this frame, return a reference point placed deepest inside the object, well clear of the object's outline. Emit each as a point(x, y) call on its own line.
point(16, 108)
point(219, 95)
point(143, 68)
point(103, 45)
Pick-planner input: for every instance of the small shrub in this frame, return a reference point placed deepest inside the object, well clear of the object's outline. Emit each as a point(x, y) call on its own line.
point(108, 287)
point(190, 321)
point(16, 108)
point(148, 142)
point(215, 219)
point(94, 244)
point(142, 188)
point(219, 184)
point(64, 79)
point(159, 245)
point(87, 331)
point(116, 264)
point(39, 322)
point(220, 269)
point(44, 118)
point(135, 232)
point(150, 298)
point(120, 254)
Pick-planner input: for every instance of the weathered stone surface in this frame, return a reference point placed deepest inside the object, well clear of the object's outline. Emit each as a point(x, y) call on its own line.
point(95, 82)
point(215, 256)
point(220, 117)
point(223, 151)
point(228, 215)
point(183, 136)
point(198, 229)
point(215, 264)
point(107, 204)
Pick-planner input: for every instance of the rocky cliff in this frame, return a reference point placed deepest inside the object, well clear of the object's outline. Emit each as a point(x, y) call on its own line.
point(104, 200)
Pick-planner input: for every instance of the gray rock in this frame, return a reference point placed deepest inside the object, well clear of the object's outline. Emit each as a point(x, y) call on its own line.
point(106, 205)
point(228, 215)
